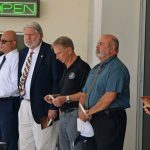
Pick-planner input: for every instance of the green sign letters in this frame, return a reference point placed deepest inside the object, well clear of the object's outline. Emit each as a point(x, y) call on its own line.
point(18, 8)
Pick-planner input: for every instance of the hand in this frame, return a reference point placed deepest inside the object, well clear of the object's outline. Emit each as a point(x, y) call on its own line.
point(48, 99)
point(147, 109)
point(146, 100)
point(59, 101)
point(83, 115)
point(83, 98)
point(52, 114)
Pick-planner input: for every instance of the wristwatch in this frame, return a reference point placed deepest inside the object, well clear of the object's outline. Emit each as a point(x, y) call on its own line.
point(67, 99)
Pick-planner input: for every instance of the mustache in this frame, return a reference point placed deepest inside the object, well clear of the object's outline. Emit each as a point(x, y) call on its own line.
point(98, 53)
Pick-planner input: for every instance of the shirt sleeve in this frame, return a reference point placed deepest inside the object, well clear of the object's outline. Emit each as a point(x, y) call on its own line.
point(14, 77)
point(116, 81)
point(83, 76)
point(9, 78)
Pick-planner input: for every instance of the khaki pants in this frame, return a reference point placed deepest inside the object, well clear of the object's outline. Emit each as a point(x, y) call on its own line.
point(31, 137)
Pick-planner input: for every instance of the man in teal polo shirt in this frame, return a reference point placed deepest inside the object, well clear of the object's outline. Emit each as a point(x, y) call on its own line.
point(107, 96)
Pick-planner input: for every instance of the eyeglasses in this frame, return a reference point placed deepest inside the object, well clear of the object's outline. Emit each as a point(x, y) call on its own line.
point(5, 41)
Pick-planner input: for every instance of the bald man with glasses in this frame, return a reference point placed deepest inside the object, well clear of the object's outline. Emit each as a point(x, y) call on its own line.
point(9, 96)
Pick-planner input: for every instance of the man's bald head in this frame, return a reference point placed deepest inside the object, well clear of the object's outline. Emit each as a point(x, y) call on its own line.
point(8, 41)
point(9, 35)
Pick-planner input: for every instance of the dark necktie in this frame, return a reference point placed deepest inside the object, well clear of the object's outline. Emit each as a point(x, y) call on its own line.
point(25, 75)
point(90, 87)
point(4, 58)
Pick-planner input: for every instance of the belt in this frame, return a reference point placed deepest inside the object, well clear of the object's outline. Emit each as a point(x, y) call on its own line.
point(7, 98)
point(69, 110)
point(26, 99)
point(4, 98)
point(109, 112)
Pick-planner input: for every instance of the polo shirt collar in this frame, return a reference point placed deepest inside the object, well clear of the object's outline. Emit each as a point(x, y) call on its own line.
point(107, 60)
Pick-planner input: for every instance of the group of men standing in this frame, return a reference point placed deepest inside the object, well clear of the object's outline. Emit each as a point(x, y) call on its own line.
point(30, 76)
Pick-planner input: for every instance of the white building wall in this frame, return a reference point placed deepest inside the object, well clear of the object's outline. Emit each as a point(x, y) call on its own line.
point(121, 17)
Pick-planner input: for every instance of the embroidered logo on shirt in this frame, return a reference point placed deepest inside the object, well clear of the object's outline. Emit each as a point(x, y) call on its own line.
point(72, 75)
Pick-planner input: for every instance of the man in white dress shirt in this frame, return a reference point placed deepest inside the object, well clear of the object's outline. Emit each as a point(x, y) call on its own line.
point(9, 97)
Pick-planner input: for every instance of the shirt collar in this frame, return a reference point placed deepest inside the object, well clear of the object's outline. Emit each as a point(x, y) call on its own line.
point(107, 60)
point(36, 49)
point(10, 53)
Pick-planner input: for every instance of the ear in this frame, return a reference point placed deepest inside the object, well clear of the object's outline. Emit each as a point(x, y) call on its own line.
point(113, 47)
point(69, 50)
point(112, 50)
point(14, 43)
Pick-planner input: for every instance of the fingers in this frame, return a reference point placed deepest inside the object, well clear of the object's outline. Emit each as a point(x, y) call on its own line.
point(145, 97)
point(55, 102)
point(52, 114)
point(147, 110)
point(48, 98)
point(58, 101)
point(83, 116)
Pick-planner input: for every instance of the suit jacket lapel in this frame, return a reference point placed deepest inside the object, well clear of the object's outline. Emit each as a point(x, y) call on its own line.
point(22, 58)
point(38, 62)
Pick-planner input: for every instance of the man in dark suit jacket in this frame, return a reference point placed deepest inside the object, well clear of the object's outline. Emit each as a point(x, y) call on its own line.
point(42, 78)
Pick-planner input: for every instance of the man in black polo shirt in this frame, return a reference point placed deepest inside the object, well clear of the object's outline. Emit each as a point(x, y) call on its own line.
point(72, 82)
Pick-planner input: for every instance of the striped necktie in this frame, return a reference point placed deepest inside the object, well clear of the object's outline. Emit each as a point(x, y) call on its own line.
point(25, 74)
point(4, 58)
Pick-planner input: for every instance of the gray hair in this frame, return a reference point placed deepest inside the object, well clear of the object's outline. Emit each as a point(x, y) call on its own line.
point(113, 40)
point(64, 41)
point(35, 26)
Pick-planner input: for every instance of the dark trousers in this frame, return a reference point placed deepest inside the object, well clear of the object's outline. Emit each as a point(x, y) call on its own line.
point(109, 128)
point(9, 123)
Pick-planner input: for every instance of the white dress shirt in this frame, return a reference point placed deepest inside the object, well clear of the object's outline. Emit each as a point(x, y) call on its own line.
point(32, 66)
point(9, 75)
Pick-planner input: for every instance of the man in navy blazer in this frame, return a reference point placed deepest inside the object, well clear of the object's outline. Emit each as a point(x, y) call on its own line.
point(43, 78)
